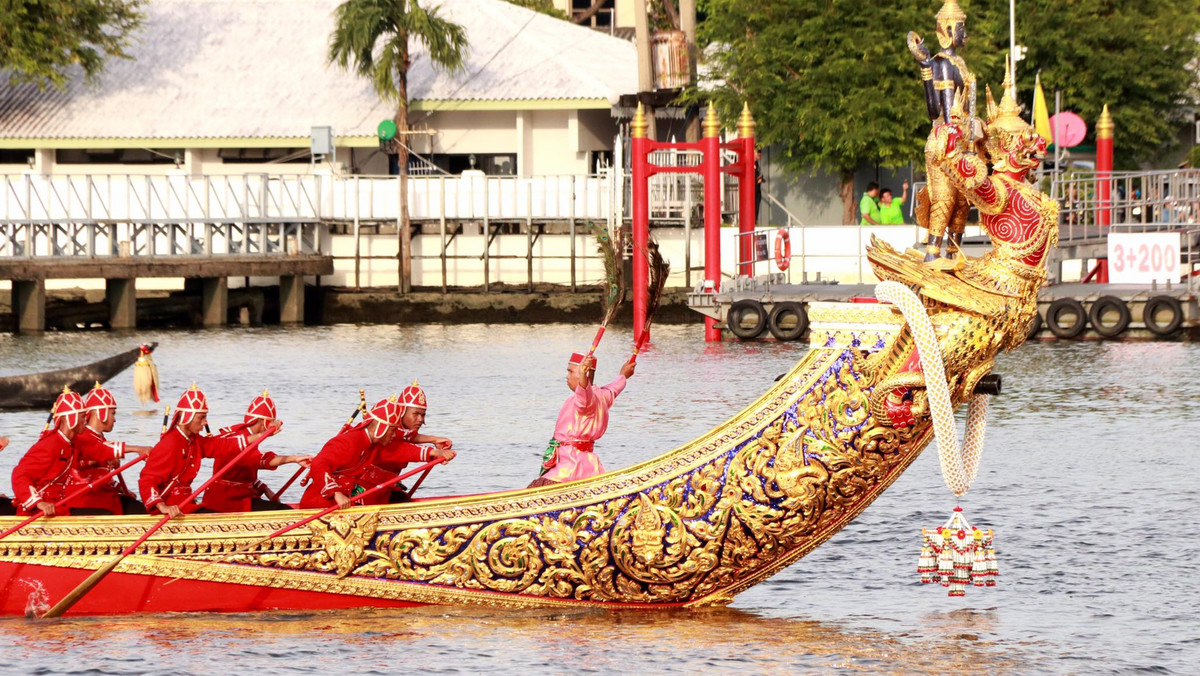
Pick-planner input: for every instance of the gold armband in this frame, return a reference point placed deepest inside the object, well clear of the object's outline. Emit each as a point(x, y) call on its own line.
point(943, 84)
point(927, 73)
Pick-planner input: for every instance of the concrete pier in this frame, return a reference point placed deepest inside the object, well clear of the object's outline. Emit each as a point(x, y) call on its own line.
point(29, 305)
point(291, 299)
point(122, 303)
point(214, 301)
point(209, 273)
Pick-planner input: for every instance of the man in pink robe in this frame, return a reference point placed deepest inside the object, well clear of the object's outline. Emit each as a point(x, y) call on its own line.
point(582, 420)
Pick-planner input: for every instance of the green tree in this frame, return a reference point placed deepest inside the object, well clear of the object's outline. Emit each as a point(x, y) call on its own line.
point(832, 85)
point(1133, 55)
point(41, 40)
point(374, 39)
point(541, 6)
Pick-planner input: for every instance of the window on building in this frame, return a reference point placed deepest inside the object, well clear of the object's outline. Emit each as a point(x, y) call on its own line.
point(119, 156)
point(602, 18)
point(492, 164)
point(263, 155)
point(16, 156)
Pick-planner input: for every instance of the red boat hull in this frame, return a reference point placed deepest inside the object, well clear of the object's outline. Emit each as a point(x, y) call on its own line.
point(121, 593)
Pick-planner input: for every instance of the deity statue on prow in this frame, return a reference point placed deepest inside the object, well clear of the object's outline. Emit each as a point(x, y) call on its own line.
point(940, 205)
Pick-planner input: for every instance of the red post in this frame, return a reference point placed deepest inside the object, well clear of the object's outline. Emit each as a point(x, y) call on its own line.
point(1104, 166)
point(641, 220)
point(711, 146)
point(746, 190)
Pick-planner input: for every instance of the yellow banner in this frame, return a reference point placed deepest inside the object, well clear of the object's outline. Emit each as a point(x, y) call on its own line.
point(1041, 116)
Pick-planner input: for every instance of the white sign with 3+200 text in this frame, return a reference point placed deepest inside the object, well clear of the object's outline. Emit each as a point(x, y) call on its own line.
point(1143, 257)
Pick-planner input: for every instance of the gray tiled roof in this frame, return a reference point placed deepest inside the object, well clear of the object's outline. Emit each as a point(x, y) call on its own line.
point(257, 68)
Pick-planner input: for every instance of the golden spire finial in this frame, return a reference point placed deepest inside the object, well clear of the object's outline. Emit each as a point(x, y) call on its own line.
point(265, 393)
point(712, 124)
point(1105, 126)
point(640, 125)
point(951, 13)
point(393, 397)
point(66, 389)
point(193, 387)
point(745, 122)
point(96, 386)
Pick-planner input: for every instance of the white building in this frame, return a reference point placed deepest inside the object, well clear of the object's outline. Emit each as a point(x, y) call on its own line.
point(236, 86)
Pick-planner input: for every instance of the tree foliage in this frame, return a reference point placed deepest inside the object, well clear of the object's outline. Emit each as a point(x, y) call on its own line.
point(541, 6)
point(42, 40)
point(833, 86)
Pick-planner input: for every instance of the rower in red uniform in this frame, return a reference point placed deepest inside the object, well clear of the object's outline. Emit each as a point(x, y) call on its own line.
point(98, 456)
point(6, 503)
point(407, 445)
point(166, 481)
point(338, 467)
point(41, 477)
point(239, 489)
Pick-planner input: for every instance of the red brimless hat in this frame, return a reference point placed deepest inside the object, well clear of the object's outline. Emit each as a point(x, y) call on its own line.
point(68, 406)
point(413, 397)
point(101, 401)
point(387, 412)
point(577, 359)
point(262, 408)
point(190, 404)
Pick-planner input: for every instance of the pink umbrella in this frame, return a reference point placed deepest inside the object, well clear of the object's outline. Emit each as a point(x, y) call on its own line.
point(1068, 127)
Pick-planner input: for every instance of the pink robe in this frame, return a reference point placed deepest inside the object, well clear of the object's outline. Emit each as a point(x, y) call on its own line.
point(582, 420)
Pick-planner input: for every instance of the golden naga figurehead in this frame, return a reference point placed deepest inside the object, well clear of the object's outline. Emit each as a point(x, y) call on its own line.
point(1012, 144)
point(951, 24)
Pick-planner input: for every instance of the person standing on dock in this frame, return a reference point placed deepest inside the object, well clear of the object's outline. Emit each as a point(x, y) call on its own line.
point(97, 456)
point(239, 489)
point(41, 477)
point(891, 210)
point(339, 466)
point(166, 481)
point(582, 420)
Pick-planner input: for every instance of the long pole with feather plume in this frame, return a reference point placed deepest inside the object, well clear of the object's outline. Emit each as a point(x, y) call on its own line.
point(614, 286)
point(659, 270)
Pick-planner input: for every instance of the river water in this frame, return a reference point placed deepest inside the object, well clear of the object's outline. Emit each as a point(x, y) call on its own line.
point(1089, 478)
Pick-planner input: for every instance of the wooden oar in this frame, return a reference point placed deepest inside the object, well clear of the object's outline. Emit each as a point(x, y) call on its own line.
point(389, 484)
point(65, 501)
point(95, 578)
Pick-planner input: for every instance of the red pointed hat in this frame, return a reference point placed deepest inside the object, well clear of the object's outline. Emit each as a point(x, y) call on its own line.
point(387, 411)
point(413, 397)
point(191, 403)
point(69, 406)
point(100, 400)
point(262, 408)
point(577, 359)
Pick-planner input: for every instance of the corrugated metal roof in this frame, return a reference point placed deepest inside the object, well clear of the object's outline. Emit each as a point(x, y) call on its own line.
point(257, 68)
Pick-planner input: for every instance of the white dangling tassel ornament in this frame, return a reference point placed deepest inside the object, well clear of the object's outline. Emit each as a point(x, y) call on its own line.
point(145, 376)
point(957, 554)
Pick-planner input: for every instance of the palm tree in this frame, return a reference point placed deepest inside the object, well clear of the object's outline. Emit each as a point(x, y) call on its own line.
point(372, 38)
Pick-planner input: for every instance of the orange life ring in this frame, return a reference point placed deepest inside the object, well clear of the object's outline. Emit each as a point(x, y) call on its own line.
point(783, 249)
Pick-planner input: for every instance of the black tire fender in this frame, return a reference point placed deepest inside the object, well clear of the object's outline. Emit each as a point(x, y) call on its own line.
point(1054, 318)
point(1158, 304)
point(782, 311)
point(737, 314)
point(1035, 326)
point(1097, 312)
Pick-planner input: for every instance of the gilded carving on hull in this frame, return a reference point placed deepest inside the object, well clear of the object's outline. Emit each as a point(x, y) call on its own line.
point(695, 527)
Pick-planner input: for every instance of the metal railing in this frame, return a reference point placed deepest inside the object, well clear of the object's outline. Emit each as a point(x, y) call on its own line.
point(1145, 201)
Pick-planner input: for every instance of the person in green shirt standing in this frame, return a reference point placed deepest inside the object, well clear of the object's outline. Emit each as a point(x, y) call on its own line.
point(868, 208)
point(891, 210)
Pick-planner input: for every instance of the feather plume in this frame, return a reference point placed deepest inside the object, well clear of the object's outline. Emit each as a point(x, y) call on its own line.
point(613, 287)
point(660, 269)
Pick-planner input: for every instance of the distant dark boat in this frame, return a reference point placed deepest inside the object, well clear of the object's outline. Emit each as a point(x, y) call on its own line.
point(38, 390)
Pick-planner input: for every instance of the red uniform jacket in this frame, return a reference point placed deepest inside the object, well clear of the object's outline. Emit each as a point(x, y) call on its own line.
point(338, 467)
point(388, 462)
point(44, 473)
point(234, 490)
point(96, 457)
point(174, 463)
